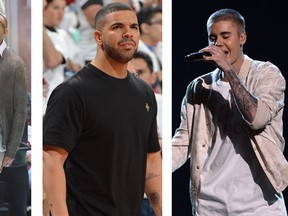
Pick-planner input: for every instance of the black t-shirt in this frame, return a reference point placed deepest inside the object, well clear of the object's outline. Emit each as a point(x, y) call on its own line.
point(108, 126)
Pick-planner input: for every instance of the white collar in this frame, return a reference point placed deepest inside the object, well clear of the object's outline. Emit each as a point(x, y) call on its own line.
point(2, 47)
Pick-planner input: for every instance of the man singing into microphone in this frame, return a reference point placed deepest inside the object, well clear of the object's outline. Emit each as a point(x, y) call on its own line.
point(232, 128)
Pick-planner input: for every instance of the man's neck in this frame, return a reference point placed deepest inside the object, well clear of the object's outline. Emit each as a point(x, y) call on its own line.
point(114, 69)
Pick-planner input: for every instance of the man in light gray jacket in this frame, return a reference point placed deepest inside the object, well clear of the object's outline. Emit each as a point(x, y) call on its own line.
point(13, 96)
point(232, 128)
point(13, 111)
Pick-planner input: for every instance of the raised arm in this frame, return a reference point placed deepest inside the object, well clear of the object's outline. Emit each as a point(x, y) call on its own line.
point(246, 101)
point(51, 57)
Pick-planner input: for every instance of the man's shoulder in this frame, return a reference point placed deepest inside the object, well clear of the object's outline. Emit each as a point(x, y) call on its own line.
point(84, 78)
point(10, 56)
point(77, 78)
point(140, 82)
point(264, 69)
point(10, 53)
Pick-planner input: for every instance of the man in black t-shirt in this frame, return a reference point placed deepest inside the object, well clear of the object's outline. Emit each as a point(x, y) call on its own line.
point(100, 126)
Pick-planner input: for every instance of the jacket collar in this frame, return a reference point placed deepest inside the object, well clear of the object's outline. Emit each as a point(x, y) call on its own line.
point(245, 67)
point(2, 47)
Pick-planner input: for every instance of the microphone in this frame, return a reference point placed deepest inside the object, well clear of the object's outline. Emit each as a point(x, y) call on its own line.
point(196, 56)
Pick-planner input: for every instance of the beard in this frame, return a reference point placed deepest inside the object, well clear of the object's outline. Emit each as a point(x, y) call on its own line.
point(119, 55)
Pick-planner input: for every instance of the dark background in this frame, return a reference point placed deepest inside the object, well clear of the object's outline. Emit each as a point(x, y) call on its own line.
point(267, 40)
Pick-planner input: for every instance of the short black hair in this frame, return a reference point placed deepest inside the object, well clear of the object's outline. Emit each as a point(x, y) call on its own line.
point(107, 9)
point(146, 14)
point(146, 57)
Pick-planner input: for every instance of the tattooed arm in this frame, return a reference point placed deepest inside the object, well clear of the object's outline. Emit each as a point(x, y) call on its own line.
point(247, 103)
point(153, 184)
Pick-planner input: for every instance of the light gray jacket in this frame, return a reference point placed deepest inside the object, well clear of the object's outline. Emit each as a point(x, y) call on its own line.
point(196, 131)
point(13, 100)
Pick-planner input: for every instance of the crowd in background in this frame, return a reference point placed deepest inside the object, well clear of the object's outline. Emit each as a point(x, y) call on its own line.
point(69, 25)
point(68, 45)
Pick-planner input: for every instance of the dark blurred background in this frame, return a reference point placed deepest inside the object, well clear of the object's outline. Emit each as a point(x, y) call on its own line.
point(267, 40)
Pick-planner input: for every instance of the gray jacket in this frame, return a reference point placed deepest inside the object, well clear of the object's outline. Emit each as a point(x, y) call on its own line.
point(195, 133)
point(13, 97)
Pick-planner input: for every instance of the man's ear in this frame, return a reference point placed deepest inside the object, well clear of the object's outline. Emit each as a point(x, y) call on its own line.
point(98, 37)
point(144, 27)
point(243, 38)
point(5, 32)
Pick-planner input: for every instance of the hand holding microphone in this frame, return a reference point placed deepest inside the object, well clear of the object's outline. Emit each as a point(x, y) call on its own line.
point(218, 56)
point(198, 56)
